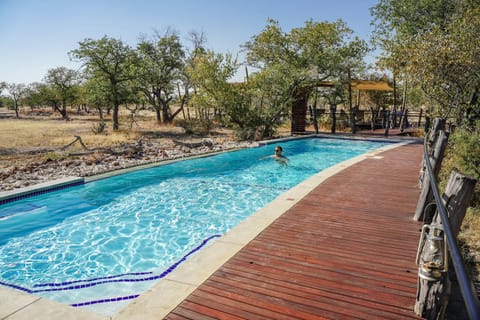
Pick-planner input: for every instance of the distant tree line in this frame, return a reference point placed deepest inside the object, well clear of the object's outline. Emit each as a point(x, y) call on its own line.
point(165, 75)
point(430, 48)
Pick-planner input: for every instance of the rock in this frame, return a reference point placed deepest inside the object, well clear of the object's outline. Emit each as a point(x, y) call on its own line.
point(35, 172)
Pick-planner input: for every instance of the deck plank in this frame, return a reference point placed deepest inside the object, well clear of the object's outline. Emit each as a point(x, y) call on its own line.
point(345, 251)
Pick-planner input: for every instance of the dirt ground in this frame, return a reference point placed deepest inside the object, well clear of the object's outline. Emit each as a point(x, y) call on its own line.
point(41, 146)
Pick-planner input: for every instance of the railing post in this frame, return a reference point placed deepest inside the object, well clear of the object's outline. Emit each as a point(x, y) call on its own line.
point(333, 112)
point(432, 136)
point(457, 196)
point(426, 194)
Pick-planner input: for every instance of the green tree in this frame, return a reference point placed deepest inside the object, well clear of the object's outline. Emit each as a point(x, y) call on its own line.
point(33, 97)
point(65, 83)
point(445, 63)
point(47, 95)
point(211, 77)
point(112, 61)
point(17, 92)
point(292, 64)
point(97, 94)
point(160, 63)
point(435, 43)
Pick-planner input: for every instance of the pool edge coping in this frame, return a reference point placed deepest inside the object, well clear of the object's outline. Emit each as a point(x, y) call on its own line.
point(153, 303)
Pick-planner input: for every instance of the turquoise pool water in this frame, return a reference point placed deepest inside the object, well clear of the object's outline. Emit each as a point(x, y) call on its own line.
point(101, 244)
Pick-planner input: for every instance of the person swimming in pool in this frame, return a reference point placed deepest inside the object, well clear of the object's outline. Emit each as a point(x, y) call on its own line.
point(278, 156)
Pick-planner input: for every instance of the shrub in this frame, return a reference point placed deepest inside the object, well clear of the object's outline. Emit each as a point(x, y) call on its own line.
point(463, 153)
point(99, 128)
point(196, 126)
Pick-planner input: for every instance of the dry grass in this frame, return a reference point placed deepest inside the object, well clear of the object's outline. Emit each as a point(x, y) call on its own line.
point(469, 238)
point(48, 130)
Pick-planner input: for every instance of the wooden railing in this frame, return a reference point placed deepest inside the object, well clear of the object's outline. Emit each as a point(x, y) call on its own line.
point(437, 240)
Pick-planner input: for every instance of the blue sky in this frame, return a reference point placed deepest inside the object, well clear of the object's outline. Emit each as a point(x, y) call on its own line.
point(36, 35)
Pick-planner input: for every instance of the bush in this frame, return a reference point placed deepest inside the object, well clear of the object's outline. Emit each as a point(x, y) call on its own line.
point(55, 156)
point(463, 153)
point(99, 128)
point(196, 126)
point(325, 122)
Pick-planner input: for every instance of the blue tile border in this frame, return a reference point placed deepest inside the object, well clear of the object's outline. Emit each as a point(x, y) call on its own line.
point(39, 190)
point(61, 284)
point(116, 299)
point(107, 280)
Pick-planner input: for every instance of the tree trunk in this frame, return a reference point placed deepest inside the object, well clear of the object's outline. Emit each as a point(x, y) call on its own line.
point(157, 112)
point(394, 91)
point(17, 115)
point(436, 161)
point(115, 118)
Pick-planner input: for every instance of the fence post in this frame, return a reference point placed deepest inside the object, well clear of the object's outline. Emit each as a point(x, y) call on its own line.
point(426, 193)
point(387, 121)
point(438, 124)
point(457, 196)
point(419, 118)
point(333, 112)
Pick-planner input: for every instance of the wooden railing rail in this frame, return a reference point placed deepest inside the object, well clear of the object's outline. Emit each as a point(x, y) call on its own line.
point(443, 228)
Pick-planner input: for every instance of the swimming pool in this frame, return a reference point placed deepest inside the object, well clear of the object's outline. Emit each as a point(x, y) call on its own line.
point(103, 243)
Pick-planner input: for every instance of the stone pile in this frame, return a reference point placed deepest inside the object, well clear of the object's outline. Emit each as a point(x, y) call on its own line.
point(100, 161)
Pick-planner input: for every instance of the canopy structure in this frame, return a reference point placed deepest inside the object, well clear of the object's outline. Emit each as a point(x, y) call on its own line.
point(372, 85)
point(375, 85)
point(299, 107)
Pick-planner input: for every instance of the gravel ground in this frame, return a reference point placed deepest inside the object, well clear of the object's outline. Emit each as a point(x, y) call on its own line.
point(34, 167)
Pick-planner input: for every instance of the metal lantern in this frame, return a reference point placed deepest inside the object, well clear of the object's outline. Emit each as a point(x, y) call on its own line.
point(431, 254)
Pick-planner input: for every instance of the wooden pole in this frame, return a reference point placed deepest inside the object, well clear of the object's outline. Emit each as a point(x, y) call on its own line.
point(457, 196)
point(350, 103)
point(433, 291)
point(394, 92)
point(387, 122)
point(426, 194)
point(404, 106)
point(438, 124)
point(315, 120)
point(403, 119)
point(333, 112)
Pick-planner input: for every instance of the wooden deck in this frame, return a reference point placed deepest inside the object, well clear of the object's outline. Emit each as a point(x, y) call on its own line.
point(345, 251)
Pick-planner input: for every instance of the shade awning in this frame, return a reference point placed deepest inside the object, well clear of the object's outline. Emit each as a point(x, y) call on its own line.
point(371, 85)
point(377, 85)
